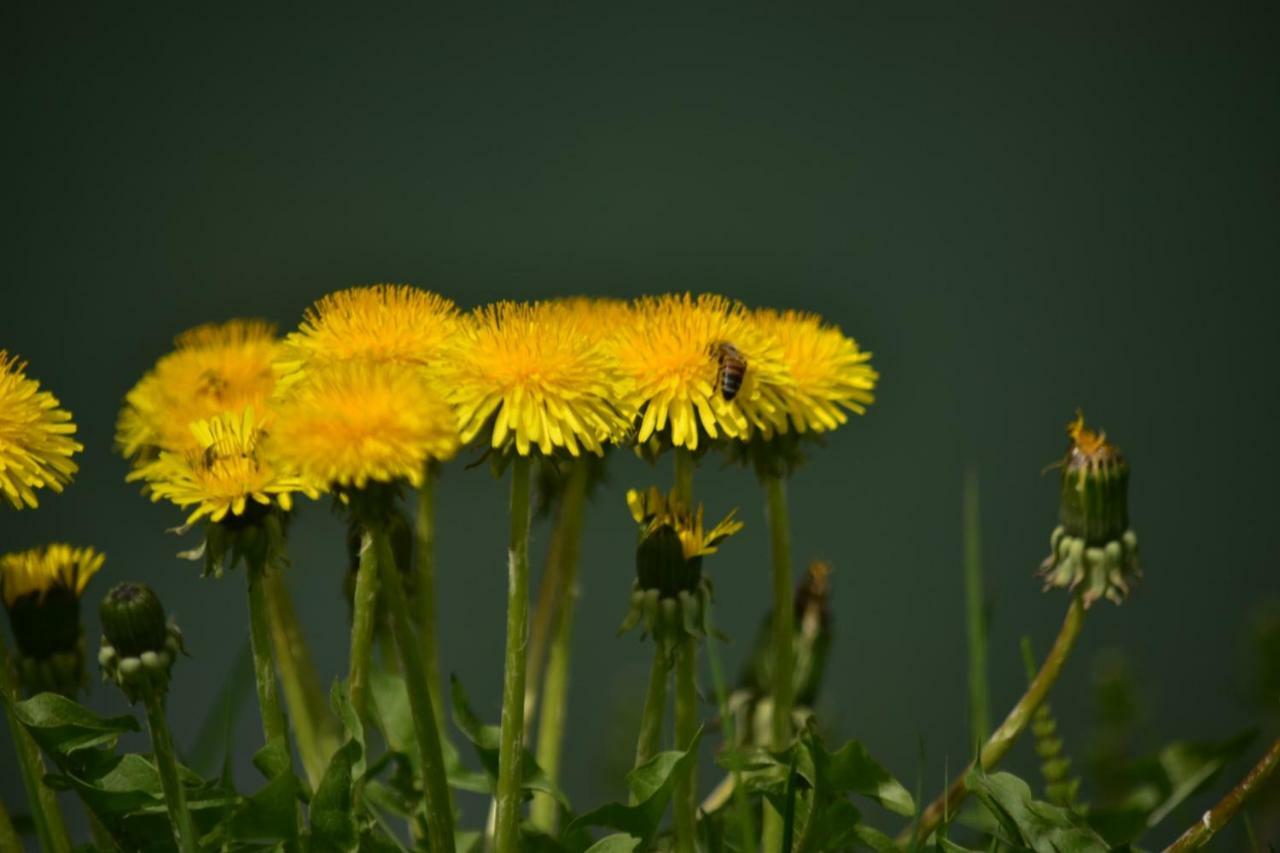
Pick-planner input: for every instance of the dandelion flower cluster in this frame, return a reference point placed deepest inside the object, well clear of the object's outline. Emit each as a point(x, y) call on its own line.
point(35, 437)
point(376, 323)
point(668, 354)
point(215, 368)
point(228, 474)
point(352, 423)
point(542, 375)
point(40, 571)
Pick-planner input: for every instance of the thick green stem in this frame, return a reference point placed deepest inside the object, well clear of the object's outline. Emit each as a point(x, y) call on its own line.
point(51, 829)
point(783, 639)
point(945, 806)
point(685, 807)
point(435, 786)
point(652, 714)
point(1212, 821)
point(975, 613)
point(511, 744)
point(9, 840)
point(555, 690)
point(425, 566)
point(175, 798)
point(264, 673)
point(364, 607)
point(684, 475)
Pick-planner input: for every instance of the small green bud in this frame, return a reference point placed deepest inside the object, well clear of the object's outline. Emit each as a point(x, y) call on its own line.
point(133, 620)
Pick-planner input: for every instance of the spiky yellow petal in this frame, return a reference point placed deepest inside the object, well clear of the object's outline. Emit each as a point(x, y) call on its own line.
point(39, 570)
point(35, 437)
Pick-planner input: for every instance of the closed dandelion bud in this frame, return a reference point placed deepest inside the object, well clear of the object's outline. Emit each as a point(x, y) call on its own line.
point(670, 596)
point(1093, 548)
point(139, 646)
point(41, 591)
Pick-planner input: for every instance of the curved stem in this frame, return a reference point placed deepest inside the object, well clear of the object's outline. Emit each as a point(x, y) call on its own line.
point(51, 829)
point(545, 810)
point(1216, 818)
point(649, 743)
point(300, 682)
point(175, 798)
point(364, 607)
point(685, 807)
point(945, 806)
point(425, 565)
point(434, 785)
point(511, 745)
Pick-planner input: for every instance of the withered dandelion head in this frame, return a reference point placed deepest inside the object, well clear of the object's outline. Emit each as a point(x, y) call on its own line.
point(36, 443)
point(378, 323)
point(699, 366)
point(229, 475)
point(541, 375)
point(351, 423)
point(215, 368)
point(830, 374)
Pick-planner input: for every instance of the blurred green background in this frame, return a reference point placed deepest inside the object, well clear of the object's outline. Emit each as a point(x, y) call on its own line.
point(1020, 209)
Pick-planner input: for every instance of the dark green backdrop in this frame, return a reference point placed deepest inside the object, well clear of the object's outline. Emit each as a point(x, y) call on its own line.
point(1019, 210)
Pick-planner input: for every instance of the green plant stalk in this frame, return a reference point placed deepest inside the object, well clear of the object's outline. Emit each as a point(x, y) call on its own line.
point(945, 806)
point(264, 673)
point(783, 639)
point(975, 613)
point(364, 606)
point(1198, 835)
point(511, 745)
point(9, 839)
point(741, 802)
point(51, 829)
point(175, 798)
point(555, 689)
point(685, 795)
point(425, 569)
point(652, 714)
point(541, 623)
point(435, 786)
point(300, 682)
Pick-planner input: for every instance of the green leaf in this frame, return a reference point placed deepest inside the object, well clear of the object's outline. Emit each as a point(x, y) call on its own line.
point(63, 727)
point(486, 741)
point(269, 814)
point(652, 784)
point(1043, 827)
point(273, 759)
point(214, 736)
point(851, 769)
point(617, 843)
point(333, 825)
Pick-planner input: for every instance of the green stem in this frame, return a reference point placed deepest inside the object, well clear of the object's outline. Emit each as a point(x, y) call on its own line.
point(555, 690)
point(425, 565)
point(541, 623)
point(51, 829)
point(684, 475)
point(299, 680)
point(435, 787)
point(273, 724)
point(685, 807)
point(511, 746)
point(783, 639)
point(1212, 821)
point(9, 840)
point(364, 608)
point(175, 798)
point(975, 613)
point(741, 802)
point(945, 806)
point(649, 743)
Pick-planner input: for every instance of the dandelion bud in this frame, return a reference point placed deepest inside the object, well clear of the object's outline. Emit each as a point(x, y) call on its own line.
point(1093, 544)
point(139, 646)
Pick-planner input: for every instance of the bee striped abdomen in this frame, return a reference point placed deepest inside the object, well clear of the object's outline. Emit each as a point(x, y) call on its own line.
point(731, 371)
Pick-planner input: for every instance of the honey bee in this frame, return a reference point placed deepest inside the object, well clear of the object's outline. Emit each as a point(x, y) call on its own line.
point(731, 370)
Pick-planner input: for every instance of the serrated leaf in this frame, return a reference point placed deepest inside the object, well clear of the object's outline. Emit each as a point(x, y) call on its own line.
point(851, 769)
point(655, 779)
point(63, 727)
point(333, 825)
point(1043, 827)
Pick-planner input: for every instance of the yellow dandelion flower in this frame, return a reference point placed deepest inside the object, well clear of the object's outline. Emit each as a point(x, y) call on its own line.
point(35, 437)
point(379, 323)
point(351, 423)
point(542, 374)
point(653, 509)
point(829, 373)
point(40, 571)
point(230, 474)
point(215, 368)
point(671, 351)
